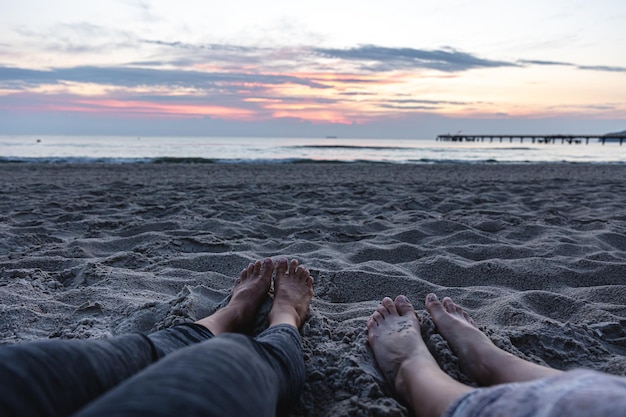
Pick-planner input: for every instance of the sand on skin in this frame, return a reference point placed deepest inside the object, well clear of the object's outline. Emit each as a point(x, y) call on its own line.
point(536, 253)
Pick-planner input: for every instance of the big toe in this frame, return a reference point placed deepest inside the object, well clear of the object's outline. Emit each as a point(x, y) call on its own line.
point(281, 268)
point(403, 305)
point(434, 307)
point(390, 306)
point(267, 268)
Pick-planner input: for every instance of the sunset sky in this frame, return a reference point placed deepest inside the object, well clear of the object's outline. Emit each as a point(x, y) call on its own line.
point(390, 68)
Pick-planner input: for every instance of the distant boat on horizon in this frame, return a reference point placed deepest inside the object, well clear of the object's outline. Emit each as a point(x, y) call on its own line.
point(331, 137)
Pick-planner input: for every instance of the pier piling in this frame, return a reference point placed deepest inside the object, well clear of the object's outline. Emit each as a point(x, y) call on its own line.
point(546, 139)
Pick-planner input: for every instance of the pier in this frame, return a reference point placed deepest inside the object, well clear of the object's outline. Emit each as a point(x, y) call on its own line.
point(547, 139)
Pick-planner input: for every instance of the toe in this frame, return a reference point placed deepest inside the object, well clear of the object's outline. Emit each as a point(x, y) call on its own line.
point(434, 306)
point(469, 319)
point(377, 317)
point(381, 311)
point(257, 267)
point(305, 276)
point(299, 272)
point(389, 305)
point(459, 311)
point(454, 309)
point(243, 275)
point(448, 305)
point(403, 305)
point(267, 268)
point(292, 266)
point(281, 268)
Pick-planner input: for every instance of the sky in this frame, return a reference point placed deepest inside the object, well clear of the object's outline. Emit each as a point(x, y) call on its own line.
point(393, 68)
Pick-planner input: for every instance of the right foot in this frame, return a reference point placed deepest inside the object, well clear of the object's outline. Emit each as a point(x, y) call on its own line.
point(250, 288)
point(394, 334)
point(479, 358)
point(293, 290)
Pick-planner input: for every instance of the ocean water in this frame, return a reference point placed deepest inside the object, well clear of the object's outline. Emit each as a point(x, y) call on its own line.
point(117, 149)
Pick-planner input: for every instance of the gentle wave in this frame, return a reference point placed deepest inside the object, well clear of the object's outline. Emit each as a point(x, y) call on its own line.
point(402, 148)
point(207, 150)
point(174, 160)
point(377, 148)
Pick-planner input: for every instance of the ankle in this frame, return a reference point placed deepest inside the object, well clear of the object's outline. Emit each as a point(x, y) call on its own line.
point(486, 367)
point(416, 377)
point(284, 314)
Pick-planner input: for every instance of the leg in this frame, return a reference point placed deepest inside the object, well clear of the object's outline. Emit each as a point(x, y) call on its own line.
point(227, 375)
point(480, 358)
point(57, 377)
point(394, 335)
point(578, 393)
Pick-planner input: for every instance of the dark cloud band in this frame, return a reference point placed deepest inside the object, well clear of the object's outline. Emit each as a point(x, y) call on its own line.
point(135, 77)
point(379, 58)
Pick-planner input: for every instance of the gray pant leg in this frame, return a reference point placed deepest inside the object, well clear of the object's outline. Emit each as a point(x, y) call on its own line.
point(228, 375)
point(577, 393)
point(57, 377)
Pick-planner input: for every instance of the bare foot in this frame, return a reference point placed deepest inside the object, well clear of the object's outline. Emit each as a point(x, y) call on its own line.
point(393, 332)
point(480, 359)
point(250, 288)
point(293, 290)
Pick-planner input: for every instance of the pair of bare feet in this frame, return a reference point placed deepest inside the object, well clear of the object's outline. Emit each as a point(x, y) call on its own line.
point(395, 337)
point(293, 290)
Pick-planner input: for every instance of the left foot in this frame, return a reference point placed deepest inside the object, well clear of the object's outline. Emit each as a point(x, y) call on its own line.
point(250, 289)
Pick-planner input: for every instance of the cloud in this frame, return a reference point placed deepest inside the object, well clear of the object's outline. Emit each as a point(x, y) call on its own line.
point(428, 102)
point(233, 57)
point(604, 68)
point(414, 107)
point(370, 57)
point(378, 58)
point(540, 62)
point(145, 11)
point(357, 93)
point(207, 47)
point(136, 77)
point(601, 68)
point(76, 38)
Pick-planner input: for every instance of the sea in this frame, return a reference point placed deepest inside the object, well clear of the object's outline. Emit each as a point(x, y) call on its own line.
point(268, 150)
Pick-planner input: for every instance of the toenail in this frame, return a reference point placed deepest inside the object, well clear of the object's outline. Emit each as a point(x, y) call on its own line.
point(432, 297)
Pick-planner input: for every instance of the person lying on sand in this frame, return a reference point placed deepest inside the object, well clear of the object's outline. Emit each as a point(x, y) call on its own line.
point(203, 368)
point(516, 387)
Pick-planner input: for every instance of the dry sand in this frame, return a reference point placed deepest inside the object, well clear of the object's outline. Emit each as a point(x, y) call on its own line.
point(536, 253)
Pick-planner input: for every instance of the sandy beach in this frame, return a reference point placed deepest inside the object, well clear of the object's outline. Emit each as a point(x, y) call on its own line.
point(535, 253)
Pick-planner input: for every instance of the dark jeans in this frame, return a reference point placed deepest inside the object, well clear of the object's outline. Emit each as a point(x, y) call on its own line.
point(184, 370)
